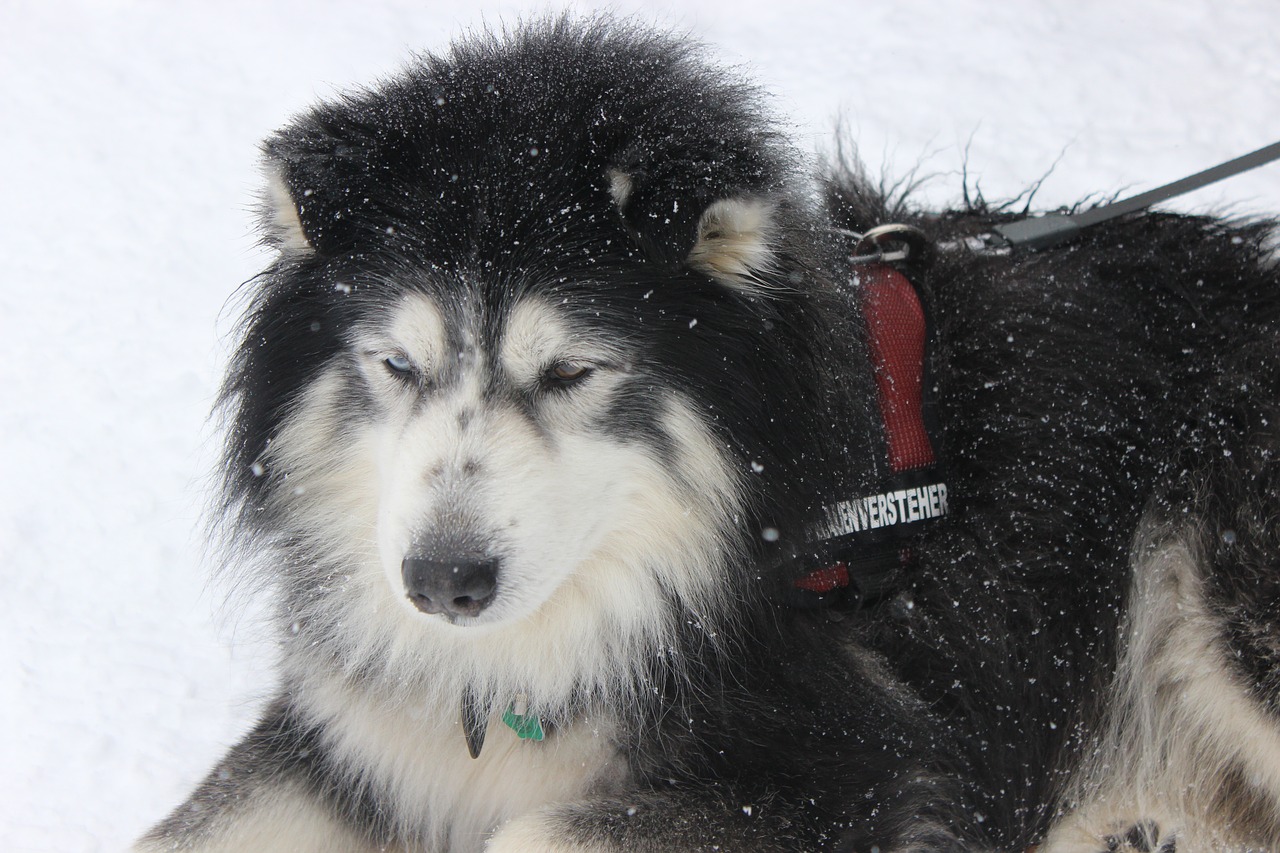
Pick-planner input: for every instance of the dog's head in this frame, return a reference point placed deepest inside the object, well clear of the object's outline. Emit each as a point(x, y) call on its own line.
point(548, 329)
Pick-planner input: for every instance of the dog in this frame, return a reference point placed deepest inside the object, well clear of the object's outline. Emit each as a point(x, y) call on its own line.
point(558, 383)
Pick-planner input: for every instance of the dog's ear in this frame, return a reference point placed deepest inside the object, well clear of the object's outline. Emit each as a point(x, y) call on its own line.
point(620, 187)
point(734, 242)
point(731, 239)
point(319, 193)
point(281, 213)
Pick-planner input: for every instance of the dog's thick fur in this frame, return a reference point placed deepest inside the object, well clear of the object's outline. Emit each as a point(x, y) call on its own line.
point(561, 310)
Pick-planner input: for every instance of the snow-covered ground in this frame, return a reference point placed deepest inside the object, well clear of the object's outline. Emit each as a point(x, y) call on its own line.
point(127, 168)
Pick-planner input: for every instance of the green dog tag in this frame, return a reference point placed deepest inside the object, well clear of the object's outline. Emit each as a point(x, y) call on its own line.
point(527, 726)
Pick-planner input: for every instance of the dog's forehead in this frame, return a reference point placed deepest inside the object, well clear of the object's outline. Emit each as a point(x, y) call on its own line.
point(522, 334)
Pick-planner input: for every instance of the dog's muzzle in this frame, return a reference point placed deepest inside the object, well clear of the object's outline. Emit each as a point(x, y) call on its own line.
point(457, 585)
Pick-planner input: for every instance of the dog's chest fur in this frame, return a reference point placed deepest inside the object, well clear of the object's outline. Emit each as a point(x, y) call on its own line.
point(415, 760)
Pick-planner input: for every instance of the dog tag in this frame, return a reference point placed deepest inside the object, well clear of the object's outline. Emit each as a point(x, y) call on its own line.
point(517, 717)
point(474, 723)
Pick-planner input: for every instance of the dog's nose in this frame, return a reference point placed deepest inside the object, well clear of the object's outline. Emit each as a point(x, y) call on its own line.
point(463, 586)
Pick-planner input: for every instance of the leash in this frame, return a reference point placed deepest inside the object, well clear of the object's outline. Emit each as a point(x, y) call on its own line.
point(858, 549)
point(1043, 232)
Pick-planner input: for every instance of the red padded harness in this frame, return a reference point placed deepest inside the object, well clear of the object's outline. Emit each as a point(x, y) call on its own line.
point(863, 537)
point(896, 330)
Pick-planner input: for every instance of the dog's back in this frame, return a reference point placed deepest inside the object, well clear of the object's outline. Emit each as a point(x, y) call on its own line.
point(1102, 614)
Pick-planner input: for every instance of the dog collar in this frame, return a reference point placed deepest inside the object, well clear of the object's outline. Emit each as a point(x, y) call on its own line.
point(856, 547)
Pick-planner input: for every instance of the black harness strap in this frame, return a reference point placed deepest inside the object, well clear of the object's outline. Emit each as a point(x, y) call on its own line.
point(856, 550)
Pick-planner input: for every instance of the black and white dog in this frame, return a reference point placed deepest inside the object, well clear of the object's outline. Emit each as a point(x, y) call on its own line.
point(559, 368)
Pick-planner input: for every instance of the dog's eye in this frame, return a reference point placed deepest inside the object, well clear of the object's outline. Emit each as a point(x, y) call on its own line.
point(398, 364)
point(568, 371)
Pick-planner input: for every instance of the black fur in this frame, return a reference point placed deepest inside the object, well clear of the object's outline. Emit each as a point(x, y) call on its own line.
point(443, 156)
point(1076, 390)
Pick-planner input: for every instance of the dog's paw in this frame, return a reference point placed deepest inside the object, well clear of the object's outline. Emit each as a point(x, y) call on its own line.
point(1142, 837)
point(538, 833)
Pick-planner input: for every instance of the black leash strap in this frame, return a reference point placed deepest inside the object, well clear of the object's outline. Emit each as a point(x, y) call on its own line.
point(1054, 228)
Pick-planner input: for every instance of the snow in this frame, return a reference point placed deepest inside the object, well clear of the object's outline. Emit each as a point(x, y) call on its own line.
point(128, 172)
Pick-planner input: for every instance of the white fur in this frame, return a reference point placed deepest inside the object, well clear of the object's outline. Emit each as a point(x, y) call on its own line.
point(735, 238)
point(619, 187)
point(282, 222)
point(285, 818)
point(595, 535)
point(538, 832)
point(417, 330)
point(1179, 720)
point(416, 757)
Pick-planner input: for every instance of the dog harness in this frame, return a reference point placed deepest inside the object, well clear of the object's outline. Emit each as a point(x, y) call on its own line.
point(856, 551)
point(858, 547)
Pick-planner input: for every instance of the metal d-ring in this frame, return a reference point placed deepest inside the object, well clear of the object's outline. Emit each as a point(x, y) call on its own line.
point(892, 243)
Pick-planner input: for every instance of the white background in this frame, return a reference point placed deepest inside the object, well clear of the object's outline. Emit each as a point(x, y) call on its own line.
point(128, 135)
